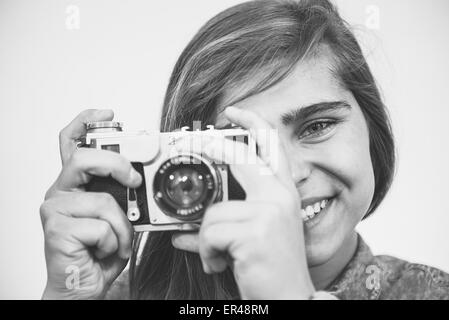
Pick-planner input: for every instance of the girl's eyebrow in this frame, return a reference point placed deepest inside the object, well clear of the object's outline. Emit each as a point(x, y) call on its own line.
point(305, 112)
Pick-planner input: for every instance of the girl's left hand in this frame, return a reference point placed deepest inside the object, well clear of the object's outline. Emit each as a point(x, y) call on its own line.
point(260, 238)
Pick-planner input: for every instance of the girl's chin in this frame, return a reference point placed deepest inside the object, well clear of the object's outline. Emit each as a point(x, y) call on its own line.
point(321, 250)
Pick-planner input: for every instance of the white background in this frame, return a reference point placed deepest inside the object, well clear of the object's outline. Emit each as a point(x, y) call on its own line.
point(121, 57)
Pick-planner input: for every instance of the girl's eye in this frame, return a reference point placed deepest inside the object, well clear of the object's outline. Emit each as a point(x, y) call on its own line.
point(316, 129)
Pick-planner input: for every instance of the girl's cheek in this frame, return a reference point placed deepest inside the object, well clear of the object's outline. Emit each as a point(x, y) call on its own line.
point(349, 161)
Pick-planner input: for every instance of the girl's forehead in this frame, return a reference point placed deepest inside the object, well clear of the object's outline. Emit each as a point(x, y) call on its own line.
point(311, 81)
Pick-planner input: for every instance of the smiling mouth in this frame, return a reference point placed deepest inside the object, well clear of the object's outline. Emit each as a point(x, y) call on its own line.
point(311, 211)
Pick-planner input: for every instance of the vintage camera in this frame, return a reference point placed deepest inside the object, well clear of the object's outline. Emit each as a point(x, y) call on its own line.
point(177, 187)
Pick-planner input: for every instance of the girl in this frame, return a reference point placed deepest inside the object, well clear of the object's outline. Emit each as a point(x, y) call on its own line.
point(293, 66)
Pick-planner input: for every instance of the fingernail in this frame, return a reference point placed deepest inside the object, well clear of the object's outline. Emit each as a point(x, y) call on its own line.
point(126, 254)
point(231, 109)
point(135, 176)
point(206, 268)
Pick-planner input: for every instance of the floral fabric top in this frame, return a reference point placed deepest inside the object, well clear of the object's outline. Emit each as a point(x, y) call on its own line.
point(369, 277)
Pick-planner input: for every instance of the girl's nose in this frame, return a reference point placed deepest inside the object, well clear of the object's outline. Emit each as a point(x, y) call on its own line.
point(300, 172)
point(300, 165)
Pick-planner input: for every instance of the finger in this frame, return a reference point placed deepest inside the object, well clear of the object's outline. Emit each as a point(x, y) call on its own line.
point(216, 242)
point(105, 242)
point(267, 139)
point(244, 164)
point(231, 211)
point(77, 128)
point(85, 163)
point(112, 266)
point(94, 233)
point(248, 169)
point(188, 241)
point(257, 127)
point(93, 205)
point(249, 173)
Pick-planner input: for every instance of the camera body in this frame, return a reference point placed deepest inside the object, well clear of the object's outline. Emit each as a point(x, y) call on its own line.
point(177, 187)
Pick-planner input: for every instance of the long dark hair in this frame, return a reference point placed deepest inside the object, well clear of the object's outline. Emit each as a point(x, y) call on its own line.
point(260, 40)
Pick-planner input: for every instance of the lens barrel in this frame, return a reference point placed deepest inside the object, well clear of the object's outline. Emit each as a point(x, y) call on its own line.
point(185, 185)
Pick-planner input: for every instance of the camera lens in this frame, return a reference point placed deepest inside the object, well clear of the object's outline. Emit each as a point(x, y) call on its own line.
point(185, 185)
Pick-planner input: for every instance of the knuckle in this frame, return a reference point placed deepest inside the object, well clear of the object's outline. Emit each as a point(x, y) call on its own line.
point(103, 229)
point(53, 190)
point(46, 209)
point(52, 228)
point(77, 157)
point(106, 200)
point(111, 212)
point(207, 235)
point(48, 194)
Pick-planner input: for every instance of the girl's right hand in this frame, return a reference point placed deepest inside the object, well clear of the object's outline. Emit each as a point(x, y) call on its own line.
point(88, 238)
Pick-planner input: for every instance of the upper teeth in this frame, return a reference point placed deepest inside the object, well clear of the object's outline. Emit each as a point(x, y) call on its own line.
point(311, 210)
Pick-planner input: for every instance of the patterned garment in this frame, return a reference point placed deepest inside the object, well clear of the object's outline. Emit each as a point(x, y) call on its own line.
point(388, 278)
point(365, 277)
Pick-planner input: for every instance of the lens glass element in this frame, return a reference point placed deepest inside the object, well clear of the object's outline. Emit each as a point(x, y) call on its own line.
point(185, 186)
